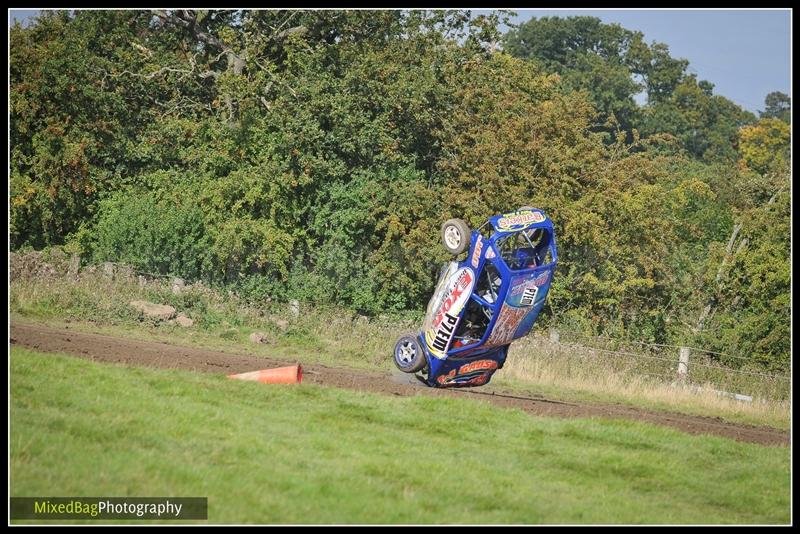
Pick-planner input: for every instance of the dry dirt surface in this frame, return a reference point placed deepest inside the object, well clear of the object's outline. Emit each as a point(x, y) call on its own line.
point(104, 348)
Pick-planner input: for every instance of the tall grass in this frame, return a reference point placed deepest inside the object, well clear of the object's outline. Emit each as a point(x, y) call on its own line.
point(536, 363)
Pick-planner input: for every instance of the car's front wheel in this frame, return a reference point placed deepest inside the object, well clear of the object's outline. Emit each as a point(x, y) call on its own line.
point(455, 236)
point(408, 355)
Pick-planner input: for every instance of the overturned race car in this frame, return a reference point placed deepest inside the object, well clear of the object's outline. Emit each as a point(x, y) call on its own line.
point(484, 302)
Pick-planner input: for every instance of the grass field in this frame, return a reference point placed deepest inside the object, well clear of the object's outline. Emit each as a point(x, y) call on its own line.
point(338, 337)
point(308, 454)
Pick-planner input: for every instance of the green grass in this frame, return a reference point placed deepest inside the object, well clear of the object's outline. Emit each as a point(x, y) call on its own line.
point(308, 454)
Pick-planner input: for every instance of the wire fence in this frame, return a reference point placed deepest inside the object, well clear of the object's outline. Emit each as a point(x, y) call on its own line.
point(576, 354)
point(642, 343)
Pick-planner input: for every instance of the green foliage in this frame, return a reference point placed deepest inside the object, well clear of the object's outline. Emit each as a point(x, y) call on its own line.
point(764, 146)
point(73, 120)
point(155, 235)
point(613, 64)
point(753, 288)
point(778, 106)
point(589, 55)
point(706, 125)
point(754, 298)
point(661, 72)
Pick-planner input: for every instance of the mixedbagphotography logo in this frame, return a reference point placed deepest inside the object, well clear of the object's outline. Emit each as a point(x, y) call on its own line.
point(168, 508)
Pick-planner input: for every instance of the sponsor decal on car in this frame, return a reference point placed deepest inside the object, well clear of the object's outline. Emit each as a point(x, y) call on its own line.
point(444, 332)
point(507, 322)
point(474, 374)
point(490, 253)
point(519, 311)
point(460, 287)
point(529, 296)
point(518, 220)
point(445, 318)
point(476, 255)
point(537, 282)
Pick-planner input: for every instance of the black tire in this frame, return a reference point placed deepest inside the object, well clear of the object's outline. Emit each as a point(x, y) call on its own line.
point(456, 236)
point(408, 355)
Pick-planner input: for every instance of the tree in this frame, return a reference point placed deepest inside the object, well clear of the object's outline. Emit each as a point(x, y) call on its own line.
point(612, 63)
point(72, 122)
point(745, 288)
point(556, 42)
point(764, 146)
point(706, 125)
point(778, 106)
point(661, 72)
point(610, 88)
point(590, 56)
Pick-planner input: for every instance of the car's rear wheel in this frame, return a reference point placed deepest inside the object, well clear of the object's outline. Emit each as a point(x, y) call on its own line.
point(455, 236)
point(408, 355)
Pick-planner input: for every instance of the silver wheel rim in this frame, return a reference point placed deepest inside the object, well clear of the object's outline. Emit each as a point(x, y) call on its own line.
point(405, 353)
point(452, 237)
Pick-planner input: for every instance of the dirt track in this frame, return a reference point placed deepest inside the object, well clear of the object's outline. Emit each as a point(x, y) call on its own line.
point(149, 354)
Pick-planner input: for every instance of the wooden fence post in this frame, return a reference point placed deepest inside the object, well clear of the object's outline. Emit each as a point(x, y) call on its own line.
point(683, 364)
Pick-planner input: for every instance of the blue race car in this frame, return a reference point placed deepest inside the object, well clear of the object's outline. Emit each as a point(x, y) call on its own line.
point(484, 302)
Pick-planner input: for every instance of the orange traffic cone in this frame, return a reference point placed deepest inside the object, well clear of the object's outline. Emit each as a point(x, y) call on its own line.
point(281, 375)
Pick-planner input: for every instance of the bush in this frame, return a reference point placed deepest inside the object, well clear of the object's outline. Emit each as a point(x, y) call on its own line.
point(160, 236)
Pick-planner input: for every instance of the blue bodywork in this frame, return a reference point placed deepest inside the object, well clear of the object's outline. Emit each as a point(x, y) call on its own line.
point(525, 280)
